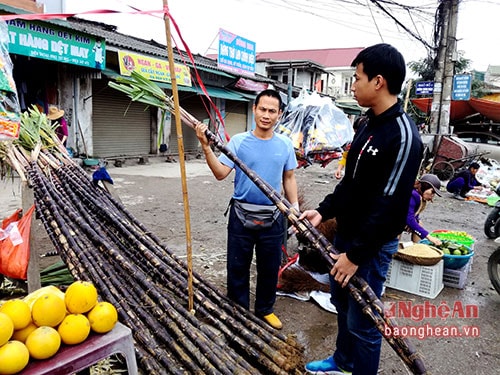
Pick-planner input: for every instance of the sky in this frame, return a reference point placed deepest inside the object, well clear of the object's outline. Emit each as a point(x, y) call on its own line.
point(278, 25)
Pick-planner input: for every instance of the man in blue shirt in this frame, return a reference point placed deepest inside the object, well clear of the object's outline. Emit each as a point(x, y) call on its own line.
point(272, 157)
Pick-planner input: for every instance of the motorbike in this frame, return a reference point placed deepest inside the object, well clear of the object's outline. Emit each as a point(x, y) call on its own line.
point(494, 268)
point(492, 223)
point(492, 230)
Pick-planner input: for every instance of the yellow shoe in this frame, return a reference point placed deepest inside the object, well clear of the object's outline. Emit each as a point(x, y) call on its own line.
point(273, 321)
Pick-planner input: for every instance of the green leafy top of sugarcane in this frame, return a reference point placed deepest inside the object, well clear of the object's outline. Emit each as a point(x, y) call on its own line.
point(35, 133)
point(36, 128)
point(141, 89)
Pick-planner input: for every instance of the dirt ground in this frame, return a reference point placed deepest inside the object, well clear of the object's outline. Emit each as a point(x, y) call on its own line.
point(157, 201)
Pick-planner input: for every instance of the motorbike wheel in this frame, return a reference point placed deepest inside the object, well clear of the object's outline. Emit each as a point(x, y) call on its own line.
point(492, 224)
point(494, 269)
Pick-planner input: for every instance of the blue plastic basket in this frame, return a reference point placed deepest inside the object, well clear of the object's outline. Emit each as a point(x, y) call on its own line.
point(454, 262)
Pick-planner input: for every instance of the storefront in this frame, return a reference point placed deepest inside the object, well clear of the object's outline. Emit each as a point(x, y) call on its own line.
point(52, 66)
point(69, 64)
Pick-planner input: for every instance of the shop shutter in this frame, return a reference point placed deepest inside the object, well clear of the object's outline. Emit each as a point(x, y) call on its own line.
point(236, 117)
point(120, 127)
point(195, 107)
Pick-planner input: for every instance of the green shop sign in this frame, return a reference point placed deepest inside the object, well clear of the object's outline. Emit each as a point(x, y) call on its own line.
point(49, 42)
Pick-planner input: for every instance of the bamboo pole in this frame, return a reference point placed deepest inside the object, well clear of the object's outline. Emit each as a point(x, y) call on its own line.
point(182, 165)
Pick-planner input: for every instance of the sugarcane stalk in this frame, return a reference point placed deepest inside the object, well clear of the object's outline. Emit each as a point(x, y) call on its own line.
point(402, 347)
point(50, 211)
point(80, 226)
point(88, 262)
point(143, 251)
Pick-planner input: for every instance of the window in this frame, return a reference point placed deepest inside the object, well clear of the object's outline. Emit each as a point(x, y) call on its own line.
point(347, 85)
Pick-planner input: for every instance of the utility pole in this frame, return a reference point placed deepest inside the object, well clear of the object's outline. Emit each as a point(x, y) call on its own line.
point(443, 80)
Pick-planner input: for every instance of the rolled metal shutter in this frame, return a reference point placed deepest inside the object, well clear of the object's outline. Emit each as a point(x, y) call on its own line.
point(193, 106)
point(120, 127)
point(236, 117)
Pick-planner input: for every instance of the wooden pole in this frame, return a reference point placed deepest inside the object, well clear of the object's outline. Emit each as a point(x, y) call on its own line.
point(182, 165)
point(33, 274)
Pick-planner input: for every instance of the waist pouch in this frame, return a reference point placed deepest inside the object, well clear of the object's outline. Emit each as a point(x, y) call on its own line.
point(256, 216)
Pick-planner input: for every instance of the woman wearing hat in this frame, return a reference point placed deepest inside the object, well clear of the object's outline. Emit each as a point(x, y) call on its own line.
point(424, 190)
point(56, 114)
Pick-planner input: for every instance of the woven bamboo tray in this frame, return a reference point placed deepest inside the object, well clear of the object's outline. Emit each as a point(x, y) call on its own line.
point(420, 254)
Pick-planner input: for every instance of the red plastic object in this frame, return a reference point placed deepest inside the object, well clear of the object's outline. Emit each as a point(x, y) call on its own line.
point(71, 359)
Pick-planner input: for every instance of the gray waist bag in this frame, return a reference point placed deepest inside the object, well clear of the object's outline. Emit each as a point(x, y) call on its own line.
point(255, 216)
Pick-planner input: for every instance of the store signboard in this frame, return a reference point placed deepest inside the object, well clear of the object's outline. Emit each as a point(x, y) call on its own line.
point(236, 54)
point(424, 87)
point(461, 87)
point(50, 42)
point(153, 69)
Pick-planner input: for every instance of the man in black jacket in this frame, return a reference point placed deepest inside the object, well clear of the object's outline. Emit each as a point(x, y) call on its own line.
point(370, 204)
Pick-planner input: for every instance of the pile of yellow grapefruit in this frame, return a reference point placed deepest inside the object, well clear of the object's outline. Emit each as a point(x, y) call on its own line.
point(36, 326)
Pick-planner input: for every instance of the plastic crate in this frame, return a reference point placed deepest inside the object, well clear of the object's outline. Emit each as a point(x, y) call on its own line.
point(425, 281)
point(456, 278)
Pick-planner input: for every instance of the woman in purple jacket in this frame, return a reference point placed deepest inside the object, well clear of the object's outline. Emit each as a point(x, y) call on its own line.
point(425, 188)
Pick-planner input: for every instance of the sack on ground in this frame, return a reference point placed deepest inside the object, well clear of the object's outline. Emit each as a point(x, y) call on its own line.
point(256, 216)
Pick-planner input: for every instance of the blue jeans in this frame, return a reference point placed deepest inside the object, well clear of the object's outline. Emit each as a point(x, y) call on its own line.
point(358, 340)
point(240, 246)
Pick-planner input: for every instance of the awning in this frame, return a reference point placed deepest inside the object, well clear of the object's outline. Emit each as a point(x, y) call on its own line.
point(213, 91)
point(349, 108)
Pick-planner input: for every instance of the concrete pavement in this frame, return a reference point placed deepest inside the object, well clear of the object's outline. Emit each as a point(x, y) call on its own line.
point(157, 167)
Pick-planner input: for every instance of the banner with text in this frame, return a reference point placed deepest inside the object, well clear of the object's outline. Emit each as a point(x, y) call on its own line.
point(236, 53)
point(50, 42)
point(153, 69)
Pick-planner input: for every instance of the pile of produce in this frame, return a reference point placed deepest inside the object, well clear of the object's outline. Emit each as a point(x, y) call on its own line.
point(101, 242)
point(35, 327)
point(453, 248)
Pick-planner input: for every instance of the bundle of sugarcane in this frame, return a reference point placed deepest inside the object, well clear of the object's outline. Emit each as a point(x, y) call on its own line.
point(139, 88)
point(101, 241)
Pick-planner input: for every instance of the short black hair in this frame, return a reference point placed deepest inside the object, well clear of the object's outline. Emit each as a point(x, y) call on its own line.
point(272, 93)
point(474, 165)
point(385, 60)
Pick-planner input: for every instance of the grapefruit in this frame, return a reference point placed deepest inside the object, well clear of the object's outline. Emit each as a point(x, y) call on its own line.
point(22, 334)
point(43, 342)
point(74, 329)
point(48, 310)
point(102, 317)
point(19, 311)
point(6, 328)
point(14, 357)
point(80, 297)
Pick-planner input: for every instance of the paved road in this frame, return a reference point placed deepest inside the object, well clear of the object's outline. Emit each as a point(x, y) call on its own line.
point(11, 189)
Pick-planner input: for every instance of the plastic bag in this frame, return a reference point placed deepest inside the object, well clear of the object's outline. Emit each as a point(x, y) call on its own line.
point(15, 247)
point(317, 127)
point(10, 112)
